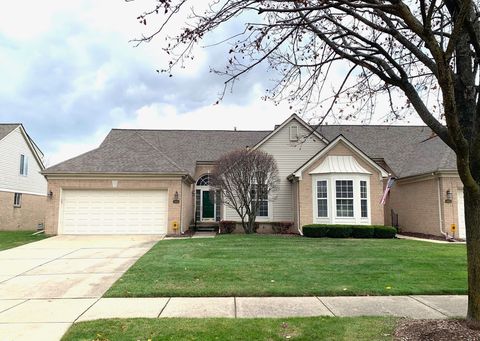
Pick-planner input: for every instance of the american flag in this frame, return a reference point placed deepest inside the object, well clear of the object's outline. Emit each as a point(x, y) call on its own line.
point(390, 182)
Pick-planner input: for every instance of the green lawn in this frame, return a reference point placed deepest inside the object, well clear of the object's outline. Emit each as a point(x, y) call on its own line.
point(235, 265)
point(9, 239)
point(312, 328)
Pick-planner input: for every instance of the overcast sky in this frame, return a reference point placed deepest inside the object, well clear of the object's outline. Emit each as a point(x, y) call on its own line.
point(69, 74)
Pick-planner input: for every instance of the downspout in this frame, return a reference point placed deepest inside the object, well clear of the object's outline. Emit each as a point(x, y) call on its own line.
point(181, 206)
point(439, 194)
point(298, 207)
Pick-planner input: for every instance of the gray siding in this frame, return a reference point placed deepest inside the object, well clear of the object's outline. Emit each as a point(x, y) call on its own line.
point(289, 156)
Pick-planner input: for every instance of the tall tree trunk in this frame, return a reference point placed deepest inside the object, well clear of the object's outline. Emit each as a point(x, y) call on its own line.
point(472, 221)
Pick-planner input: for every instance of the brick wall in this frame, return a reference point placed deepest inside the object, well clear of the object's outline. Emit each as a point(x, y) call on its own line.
point(416, 204)
point(27, 217)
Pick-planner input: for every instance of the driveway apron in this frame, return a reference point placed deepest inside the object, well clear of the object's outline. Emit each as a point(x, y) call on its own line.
point(45, 286)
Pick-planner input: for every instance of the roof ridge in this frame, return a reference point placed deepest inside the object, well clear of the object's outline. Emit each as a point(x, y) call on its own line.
point(162, 152)
point(370, 125)
point(205, 130)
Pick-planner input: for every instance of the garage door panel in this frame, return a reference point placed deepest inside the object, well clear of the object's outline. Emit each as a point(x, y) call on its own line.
point(114, 212)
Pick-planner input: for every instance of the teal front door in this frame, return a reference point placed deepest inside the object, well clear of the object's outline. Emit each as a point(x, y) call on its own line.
point(208, 206)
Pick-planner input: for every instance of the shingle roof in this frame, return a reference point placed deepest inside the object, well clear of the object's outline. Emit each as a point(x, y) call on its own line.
point(157, 151)
point(407, 150)
point(5, 129)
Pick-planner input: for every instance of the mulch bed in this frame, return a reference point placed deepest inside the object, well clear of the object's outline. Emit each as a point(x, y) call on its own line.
point(421, 235)
point(435, 330)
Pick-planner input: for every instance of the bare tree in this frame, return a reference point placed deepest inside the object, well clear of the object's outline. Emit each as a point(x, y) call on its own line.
point(422, 56)
point(246, 180)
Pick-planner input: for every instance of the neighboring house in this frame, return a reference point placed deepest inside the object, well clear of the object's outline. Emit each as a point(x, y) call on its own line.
point(23, 189)
point(151, 181)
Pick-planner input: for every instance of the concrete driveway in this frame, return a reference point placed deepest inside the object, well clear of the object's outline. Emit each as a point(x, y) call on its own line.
point(46, 285)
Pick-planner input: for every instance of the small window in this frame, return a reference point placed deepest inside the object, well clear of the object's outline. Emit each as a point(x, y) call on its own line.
point(322, 199)
point(344, 191)
point(23, 165)
point(293, 133)
point(17, 200)
point(363, 199)
point(259, 194)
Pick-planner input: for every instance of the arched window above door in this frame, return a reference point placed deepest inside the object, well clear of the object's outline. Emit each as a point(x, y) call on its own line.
point(204, 180)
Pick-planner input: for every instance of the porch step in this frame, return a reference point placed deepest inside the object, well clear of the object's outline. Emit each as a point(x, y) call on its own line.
point(204, 227)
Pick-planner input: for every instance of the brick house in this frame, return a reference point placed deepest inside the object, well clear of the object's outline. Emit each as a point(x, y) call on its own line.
point(157, 181)
point(23, 189)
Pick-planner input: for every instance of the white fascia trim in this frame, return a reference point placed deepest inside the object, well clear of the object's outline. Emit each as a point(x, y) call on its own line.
point(339, 138)
point(288, 120)
point(31, 146)
point(23, 192)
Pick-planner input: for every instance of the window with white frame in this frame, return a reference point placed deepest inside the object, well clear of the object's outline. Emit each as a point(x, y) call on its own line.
point(363, 199)
point(344, 198)
point(322, 199)
point(293, 133)
point(17, 200)
point(23, 165)
point(259, 194)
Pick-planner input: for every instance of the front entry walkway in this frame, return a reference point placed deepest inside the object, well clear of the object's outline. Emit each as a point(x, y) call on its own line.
point(46, 285)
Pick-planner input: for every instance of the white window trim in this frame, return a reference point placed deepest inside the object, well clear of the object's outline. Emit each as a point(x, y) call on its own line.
point(19, 204)
point(316, 199)
point(334, 204)
point(332, 199)
point(270, 210)
point(293, 133)
point(23, 170)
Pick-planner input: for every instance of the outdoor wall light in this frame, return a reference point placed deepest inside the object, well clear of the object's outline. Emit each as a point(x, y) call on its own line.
point(176, 200)
point(50, 195)
point(449, 196)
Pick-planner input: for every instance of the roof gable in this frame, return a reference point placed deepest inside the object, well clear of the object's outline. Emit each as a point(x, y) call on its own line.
point(407, 150)
point(7, 129)
point(286, 122)
point(330, 146)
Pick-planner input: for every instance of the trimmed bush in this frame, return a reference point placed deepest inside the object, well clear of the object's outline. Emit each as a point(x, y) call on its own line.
point(339, 231)
point(385, 232)
point(226, 226)
point(346, 231)
point(363, 231)
point(315, 230)
point(282, 227)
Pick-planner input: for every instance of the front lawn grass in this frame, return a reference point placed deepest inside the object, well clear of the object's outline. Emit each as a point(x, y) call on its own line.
point(238, 265)
point(9, 239)
point(311, 328)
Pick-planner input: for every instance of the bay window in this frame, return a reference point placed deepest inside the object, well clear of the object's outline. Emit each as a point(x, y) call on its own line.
point(341, 198)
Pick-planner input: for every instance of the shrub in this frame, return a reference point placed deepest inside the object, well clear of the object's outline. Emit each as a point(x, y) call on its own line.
point(346, 231)
point(385, 232)
point(282, 227)
point(339, 231)
point(315, 230)
point(363, 231)
point(226, 226)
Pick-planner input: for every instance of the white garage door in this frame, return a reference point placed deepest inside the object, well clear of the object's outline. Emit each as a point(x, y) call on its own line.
point(113, 212)
point(461, 215)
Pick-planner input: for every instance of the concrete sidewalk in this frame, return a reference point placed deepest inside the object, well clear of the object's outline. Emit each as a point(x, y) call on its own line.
point(48, 319)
